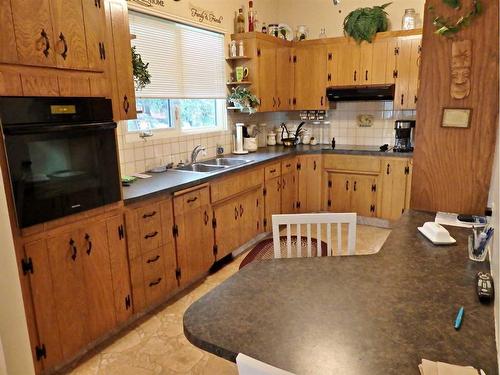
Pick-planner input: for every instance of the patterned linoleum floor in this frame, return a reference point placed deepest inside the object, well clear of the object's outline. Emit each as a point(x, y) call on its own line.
point(158, 345)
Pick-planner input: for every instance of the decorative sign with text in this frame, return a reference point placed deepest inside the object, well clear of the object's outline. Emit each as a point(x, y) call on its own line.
point(204, 16)
point(149, 3)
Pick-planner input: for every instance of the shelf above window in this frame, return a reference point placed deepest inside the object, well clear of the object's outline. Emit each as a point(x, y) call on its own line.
point(239, 83)
point(238, 58)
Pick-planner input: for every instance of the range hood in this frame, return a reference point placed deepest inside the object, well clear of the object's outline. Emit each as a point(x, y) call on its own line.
point(360, 93)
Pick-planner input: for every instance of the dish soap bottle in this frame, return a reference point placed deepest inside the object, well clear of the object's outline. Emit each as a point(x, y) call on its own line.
point(240, 22)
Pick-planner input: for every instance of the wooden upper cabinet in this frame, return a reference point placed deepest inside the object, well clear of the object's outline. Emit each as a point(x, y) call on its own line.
point(407, 67)
point(95, 33)
point(266, 53)
point(383, 62)
point(8, 52)
point(69, 34)
point(284, 78)
point(310, 77)
point(120, 64)
point(35, 39)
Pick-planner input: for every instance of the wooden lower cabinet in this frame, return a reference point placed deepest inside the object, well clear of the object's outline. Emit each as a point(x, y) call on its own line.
point(272, 201)
point(309, 183)
point(395, 192)
point(289, 192)
point(338, 192)
point(352, 193)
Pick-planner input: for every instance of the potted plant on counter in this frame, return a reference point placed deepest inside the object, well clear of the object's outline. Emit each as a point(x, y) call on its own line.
point(242, 98)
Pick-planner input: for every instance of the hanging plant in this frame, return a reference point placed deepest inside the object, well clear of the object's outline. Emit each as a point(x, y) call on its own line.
point(243, 99)
point(142, 77)
point(363, 23)
point(447, 26)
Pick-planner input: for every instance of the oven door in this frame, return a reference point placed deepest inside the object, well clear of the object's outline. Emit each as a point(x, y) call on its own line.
point(59, 170)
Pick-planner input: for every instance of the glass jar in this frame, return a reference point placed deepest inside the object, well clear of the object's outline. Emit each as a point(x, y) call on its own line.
point(322, 34)
point(273, 29)
point(302, 33)
point(409, 19)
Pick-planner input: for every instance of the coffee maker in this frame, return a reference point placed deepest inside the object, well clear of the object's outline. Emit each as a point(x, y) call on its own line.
point(405, 130)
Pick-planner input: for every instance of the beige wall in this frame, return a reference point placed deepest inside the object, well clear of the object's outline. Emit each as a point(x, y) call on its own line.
point(13, 329)
point(322, 13)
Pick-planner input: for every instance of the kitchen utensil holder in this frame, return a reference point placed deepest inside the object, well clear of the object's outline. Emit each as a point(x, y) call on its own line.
point(482, 256)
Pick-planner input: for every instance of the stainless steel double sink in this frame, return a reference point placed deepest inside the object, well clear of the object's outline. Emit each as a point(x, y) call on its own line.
point(213, 165)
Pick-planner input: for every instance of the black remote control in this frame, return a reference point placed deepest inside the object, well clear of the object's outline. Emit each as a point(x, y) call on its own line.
point(485, 289)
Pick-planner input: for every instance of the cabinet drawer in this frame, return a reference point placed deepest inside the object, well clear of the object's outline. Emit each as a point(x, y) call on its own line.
point(191, 200)
point(352, 163)
point(272, 171)
point(236, 184)
point(251, 179)
point(149, 226)
point(288, 166)
point(154, 275)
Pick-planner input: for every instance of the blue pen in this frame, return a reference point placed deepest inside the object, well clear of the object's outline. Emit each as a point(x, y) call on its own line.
point(458, 319)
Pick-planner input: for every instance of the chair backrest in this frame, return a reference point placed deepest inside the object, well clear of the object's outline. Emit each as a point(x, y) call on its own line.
point(314, 222)
point(249, 366)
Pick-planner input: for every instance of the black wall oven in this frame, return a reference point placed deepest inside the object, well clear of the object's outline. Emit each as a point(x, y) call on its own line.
point(61, 154)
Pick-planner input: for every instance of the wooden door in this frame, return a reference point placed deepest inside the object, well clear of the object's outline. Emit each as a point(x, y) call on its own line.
point(250, 216)
point(95, 33)
point(117, 25)
point(284, 78)
point(310, 78)
point(42, 283)
point(226, 231)
point(194, 243)
point(69, 34)
point(66, 257)
point(120, 272)
point(413, 83)
point(339, 196)
point(394, 188)
point(403, 68)
point(365, 75)
point(333, 59)
point(383, 63)
point(33, 29)
point(348, 64)
point(309, 184)
point(364, 195)
point(272, 201)
point(8, 52)
point(288, 192)
point(98, 280)
point(267, 76)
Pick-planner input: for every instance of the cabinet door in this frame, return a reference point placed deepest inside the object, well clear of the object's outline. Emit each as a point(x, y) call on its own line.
point(365, 74)
point(339, 192)
point(364, 195)
point(8, 52)
point(272, 201)
point(69, 34)
point(383, 63)
point(42, 285)
point(194, 243)
point(226, 231)
point(332, 64)
point(250, 216)
point(394, 188)
point(66, 257)
point(402, 99)
point(33, 29)
point(310, 78)
point(121, 63)
point(414, 73)
point(309, 184)
point(98, 280)
point(267, 76)
point(284, 78)
point(95, 28)
point(120, 272)
point(348, 64)
point(288, 193)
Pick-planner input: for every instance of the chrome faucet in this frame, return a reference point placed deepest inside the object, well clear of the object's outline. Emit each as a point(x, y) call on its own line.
point(196, 151)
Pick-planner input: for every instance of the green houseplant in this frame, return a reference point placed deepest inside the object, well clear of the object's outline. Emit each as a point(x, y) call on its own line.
point(363, 23)
point(142, 77)
point(243, 99)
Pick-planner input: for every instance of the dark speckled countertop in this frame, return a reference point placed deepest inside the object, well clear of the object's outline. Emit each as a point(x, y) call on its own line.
point(359, 315)
point(174, 180)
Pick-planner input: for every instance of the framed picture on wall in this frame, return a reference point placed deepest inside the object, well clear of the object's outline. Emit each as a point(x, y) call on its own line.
point(456, 118)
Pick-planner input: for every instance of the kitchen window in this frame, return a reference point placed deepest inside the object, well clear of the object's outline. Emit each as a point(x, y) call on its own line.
point(187, 90)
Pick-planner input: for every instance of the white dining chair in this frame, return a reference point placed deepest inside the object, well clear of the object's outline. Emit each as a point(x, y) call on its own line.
point(250, 366)
point(317, 222)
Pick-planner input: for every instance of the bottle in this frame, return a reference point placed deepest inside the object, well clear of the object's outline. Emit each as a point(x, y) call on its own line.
point(233, 49)
point(241, 49)
point(322, 34)
point(264, 28)
point(409, 19)
point(251, 17)
point(240, 22)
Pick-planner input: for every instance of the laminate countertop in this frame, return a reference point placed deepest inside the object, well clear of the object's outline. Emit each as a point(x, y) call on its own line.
point(354, 315)
point(174, 180)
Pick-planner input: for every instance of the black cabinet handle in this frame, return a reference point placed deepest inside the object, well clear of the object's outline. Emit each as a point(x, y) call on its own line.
point(355, 75)
point(241, 210)
point(103, 51)
point(347, 185)
point(283, 184)
point(235, 213)
point(388, 169)
point(151, 235)
point(314, 165)
point(45, 38)
point(402, 99)
point(279, 185)
point(274, 102)
point(205, 218)
point(89, 243)
point(126, 104)
point(154, 283)
point(355, 184)
point(366, 75)
point(329, 77)
point(191, 200)
point(279, 102)
point(151, 214)
point(64, 53)
point(152, 260)
point(73, 249)
point(272, 171)
point(288, 165)
point(322, 100)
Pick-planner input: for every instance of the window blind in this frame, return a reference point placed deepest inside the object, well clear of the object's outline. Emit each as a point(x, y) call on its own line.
point(185, 62)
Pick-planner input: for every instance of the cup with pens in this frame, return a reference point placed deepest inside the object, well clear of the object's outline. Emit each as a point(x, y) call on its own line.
point(479, 243)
